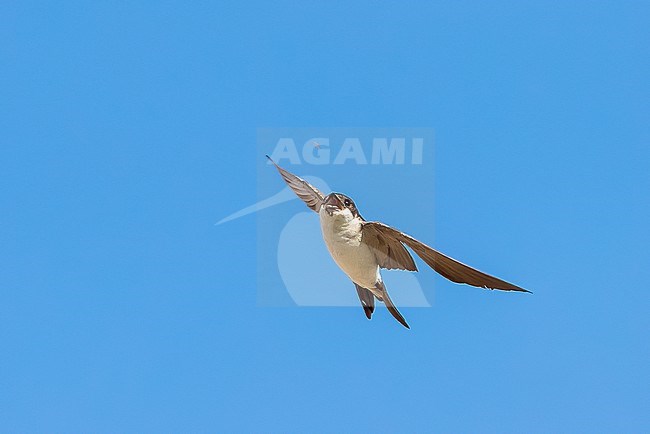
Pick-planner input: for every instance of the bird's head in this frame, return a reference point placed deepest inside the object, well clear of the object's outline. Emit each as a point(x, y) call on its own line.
point(338, 203)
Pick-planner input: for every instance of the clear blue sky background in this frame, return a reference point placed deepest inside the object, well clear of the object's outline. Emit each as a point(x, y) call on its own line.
point(127, 129)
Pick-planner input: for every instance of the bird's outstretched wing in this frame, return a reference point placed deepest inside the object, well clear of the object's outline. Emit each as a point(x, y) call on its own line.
point(304, 190)
point(443, 264)
point(389, 251)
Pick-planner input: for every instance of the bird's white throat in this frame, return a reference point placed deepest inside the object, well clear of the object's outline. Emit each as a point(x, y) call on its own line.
point(339, 225)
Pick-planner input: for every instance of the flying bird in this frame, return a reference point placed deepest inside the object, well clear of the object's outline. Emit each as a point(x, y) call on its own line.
point(362, 248)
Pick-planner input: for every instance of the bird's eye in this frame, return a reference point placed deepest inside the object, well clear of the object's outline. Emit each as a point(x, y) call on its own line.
point(347, 202)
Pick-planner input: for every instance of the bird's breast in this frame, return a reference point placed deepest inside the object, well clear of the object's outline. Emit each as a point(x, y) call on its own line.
point(342, 235)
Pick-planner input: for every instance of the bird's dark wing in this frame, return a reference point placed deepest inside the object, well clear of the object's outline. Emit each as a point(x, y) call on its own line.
point(367, 300)
point(389, 251)
point(443, 264)
point(304, 190)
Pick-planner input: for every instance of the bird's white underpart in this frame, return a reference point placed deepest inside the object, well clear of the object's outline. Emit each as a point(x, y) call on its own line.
point(343, 237)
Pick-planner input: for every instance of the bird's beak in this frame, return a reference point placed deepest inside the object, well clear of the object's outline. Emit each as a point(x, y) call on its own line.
point(332, 203)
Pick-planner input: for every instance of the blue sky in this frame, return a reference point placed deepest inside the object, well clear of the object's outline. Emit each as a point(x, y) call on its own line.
point(129, 129)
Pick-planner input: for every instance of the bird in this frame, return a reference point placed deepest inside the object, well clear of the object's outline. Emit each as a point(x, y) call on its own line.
point(362, 248)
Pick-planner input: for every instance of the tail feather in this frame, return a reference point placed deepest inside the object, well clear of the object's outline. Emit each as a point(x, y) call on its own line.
point(367, 300)
point(390, 305)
